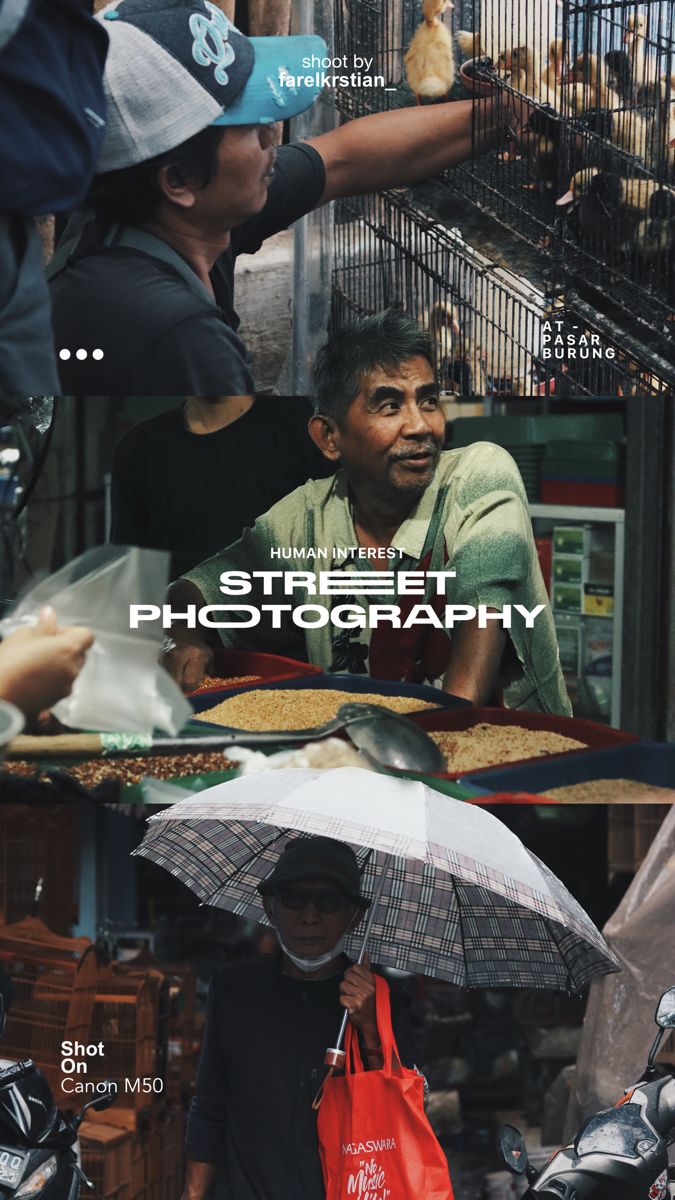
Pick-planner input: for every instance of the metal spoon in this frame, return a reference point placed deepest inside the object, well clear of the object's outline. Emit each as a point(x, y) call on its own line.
point(387, 737)
point(390, 739)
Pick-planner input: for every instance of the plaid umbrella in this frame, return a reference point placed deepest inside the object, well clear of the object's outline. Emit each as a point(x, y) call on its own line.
point(461, 898)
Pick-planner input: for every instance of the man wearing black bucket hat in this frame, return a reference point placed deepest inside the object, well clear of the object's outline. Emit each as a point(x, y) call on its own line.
point(189, 178)
point(268, 1026)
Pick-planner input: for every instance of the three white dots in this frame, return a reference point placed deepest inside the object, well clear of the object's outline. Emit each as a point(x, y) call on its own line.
point(64, 355)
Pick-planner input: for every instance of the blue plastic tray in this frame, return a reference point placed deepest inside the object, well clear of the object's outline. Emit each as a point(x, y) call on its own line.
point(342, 683)
point(648, 762)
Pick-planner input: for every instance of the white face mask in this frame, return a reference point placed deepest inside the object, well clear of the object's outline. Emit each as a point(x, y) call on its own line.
point(312, 964)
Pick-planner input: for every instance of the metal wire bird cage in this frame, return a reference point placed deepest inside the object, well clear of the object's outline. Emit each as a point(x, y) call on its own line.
point(495, 335)
point(584, 96)
point(54, 981)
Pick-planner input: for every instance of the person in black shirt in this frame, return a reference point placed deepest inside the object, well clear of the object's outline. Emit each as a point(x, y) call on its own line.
point(269, 1023)
point(159, 335)
point(189, 177)
point(192, 479)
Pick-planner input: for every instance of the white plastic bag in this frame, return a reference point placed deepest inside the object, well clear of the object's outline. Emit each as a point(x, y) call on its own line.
point(122, 686)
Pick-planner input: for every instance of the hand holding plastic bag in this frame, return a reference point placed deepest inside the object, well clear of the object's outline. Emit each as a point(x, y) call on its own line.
point(122, 687)
point(40, 663)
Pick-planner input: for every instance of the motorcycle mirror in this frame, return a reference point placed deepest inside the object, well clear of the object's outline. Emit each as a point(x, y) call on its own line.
point(106, 1098)
point(99, 1104)
point(665, 1019)
point(665, 1012)
point(514, 1151)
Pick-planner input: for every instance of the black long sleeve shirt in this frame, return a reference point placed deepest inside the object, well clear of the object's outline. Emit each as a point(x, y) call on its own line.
point(261, 1066)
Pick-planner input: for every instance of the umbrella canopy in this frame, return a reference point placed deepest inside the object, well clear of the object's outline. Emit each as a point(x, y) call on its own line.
point(462, 898)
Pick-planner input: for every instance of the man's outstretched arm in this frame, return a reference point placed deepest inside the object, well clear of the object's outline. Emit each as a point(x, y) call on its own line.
point(475, 659)
point(394, 149)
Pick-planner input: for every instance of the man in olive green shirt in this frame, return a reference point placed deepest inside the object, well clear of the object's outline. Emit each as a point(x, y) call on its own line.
point(398, 503)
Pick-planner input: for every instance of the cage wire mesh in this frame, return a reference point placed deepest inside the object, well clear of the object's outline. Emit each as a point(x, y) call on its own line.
point(494, 334)
point(587, 175)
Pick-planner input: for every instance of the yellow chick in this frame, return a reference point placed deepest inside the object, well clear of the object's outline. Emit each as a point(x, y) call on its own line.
point(553, 71)
point(589, 71)
point(430, 60)
point(469, 44)
point(643, 67)
point(579, 184)
point(526, 75)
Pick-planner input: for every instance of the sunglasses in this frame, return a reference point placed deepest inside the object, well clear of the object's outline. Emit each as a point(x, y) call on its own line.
point(328, 900)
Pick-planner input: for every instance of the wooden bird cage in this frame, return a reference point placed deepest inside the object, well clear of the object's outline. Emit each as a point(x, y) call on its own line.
point(54, 980)
point(107, 1161)
point(145, 965)
point(125, 1019)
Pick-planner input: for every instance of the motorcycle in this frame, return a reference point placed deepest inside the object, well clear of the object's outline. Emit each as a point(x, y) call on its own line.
point(620, 1153)
point(38, 1143)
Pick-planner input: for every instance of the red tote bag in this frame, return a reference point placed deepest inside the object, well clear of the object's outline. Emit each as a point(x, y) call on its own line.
point(375, 1141)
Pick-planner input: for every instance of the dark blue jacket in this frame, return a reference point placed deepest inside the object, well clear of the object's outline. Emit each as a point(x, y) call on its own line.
point(52, 109)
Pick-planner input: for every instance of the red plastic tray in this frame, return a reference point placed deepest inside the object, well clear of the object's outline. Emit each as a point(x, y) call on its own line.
point(270, 668)
point(595, 737)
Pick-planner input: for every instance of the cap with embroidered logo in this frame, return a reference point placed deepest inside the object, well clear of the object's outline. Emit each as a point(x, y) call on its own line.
point(175, 67)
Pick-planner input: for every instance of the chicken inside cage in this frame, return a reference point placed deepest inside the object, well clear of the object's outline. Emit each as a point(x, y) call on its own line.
point(487, 338)
point(584, 177)
point(494, 334)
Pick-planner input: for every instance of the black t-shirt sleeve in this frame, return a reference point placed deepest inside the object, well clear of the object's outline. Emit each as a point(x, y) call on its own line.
point(201, 356)
point(298, 185)
point(207, 1117)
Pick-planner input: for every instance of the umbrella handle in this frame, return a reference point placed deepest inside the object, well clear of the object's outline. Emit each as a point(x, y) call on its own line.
point(335, 1055)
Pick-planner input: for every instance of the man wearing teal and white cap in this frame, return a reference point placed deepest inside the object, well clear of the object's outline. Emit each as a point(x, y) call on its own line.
point(189, 177)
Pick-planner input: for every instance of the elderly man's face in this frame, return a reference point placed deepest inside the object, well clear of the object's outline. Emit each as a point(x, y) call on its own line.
point(306, 916)
point(394, 429)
